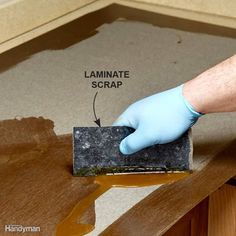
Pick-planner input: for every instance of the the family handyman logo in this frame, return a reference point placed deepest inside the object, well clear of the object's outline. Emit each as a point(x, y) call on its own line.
point(21, 229)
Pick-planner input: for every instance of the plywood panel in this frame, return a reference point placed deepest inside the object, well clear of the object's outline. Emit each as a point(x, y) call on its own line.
point(222, 211)
point(194, 223)
point(37, 187)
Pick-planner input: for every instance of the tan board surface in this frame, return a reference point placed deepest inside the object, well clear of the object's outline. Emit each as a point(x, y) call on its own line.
point(23, 20)
point(41, 77)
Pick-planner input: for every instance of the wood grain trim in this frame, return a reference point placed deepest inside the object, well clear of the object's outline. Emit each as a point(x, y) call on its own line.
point(155, 214)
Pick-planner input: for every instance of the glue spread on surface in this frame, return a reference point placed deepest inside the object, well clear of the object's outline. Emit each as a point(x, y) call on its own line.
point(69, 225)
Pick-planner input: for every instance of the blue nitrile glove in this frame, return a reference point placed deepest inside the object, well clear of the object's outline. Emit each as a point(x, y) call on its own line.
point(158, 119)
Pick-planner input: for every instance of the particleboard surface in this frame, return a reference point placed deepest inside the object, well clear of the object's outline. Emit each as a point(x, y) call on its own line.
point(45, 78)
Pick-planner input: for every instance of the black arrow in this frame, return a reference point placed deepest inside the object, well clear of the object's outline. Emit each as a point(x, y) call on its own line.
point(97, 120)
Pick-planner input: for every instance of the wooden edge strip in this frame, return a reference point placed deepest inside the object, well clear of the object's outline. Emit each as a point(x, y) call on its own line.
point(53, 24)
point(210, 18)
point(20, 16)
point(155, 214)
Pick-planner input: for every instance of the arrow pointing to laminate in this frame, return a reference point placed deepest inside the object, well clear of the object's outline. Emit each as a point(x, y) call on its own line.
point(97, 120)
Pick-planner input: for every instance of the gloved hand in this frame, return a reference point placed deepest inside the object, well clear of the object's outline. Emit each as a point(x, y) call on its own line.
point(158, 119)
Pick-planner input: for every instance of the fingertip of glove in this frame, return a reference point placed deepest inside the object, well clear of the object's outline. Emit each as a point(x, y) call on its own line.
point(124, 149)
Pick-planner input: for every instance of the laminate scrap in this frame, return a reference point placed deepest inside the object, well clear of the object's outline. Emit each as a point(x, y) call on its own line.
point(96, 151)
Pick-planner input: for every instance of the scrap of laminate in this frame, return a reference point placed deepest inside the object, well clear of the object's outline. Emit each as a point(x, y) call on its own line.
point(96, 151)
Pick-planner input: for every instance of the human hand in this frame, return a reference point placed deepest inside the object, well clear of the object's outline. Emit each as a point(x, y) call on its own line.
point(158, 119)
